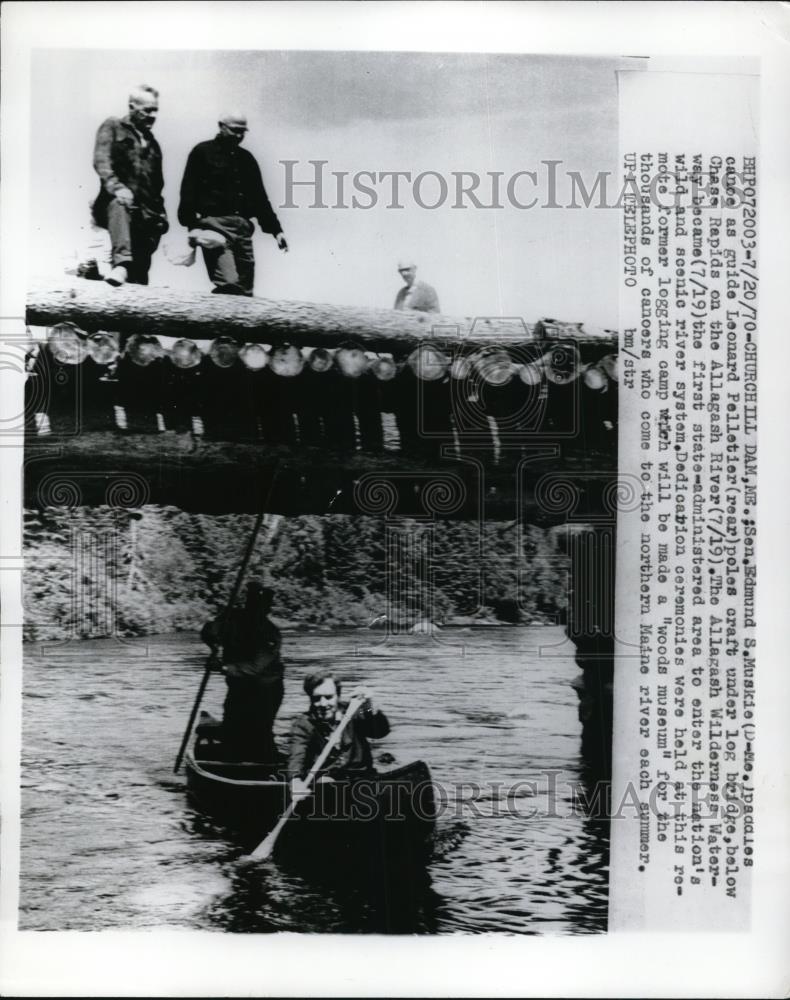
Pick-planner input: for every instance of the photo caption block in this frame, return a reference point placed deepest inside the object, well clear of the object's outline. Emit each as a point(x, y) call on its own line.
point(685, 727)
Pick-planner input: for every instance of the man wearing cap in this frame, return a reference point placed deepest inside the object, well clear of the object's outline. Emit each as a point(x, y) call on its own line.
point(129, 205)
point(250, 660)
point(415, 295)
point(221, 192)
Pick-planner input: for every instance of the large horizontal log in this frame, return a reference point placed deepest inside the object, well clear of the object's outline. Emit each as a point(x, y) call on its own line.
point(130, 470)
point(93, 305)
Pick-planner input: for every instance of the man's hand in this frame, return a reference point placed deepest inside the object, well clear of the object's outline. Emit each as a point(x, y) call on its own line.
point(299, 790)
point(366, 696)
point(125, 197)
point(214, 661)
point(282, 242)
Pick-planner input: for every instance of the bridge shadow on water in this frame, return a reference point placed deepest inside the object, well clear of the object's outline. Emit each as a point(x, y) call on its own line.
point(308, 890)
point(320, 895)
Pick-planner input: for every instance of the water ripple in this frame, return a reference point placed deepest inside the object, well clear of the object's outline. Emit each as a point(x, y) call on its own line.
point(108, 840)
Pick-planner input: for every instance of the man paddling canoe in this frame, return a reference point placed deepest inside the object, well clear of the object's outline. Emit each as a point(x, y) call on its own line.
point(310, 732)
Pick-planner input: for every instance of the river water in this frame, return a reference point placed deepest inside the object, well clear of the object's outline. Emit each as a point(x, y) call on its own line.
point(109, 840)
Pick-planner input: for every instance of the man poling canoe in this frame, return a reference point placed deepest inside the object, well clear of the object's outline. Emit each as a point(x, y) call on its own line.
point(250, 660)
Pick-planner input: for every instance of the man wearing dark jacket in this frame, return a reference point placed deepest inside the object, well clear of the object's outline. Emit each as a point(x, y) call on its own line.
point(253, 670)
point(129, 205)
point(221, 192)
point(310, 732)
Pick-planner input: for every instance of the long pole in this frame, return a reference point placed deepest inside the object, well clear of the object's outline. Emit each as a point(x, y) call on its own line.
point(207, 671)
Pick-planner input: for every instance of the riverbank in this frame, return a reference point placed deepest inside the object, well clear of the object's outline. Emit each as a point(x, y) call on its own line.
point(93, 572)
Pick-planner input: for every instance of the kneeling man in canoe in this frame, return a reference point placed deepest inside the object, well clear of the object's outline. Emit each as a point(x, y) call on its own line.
point(311, 731)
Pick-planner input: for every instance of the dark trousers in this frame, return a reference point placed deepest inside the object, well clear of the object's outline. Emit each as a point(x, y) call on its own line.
point(250, 709)
point(133, 243)
point(231, 268)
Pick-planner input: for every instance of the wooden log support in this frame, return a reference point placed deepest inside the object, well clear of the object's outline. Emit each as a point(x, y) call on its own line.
point(200, 475)
point(166, 312)
point(590, 625)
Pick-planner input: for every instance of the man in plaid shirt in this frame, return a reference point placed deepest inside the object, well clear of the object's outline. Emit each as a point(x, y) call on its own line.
point(129, 205)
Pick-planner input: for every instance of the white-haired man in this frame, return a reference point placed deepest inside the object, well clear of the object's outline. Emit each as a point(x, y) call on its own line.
point(415, 294)
point(129, 205)
point(222, 191)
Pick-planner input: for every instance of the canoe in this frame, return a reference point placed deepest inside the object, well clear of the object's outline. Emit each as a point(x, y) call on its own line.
point(391, 813)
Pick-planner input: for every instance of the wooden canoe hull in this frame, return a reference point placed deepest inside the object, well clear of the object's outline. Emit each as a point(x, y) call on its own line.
point(392, 813)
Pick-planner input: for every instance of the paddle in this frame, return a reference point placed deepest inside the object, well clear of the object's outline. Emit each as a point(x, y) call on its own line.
point(209, 662)
point(266, 846)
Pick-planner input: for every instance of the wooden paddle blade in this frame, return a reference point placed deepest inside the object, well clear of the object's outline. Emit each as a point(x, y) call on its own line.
point(265, 848)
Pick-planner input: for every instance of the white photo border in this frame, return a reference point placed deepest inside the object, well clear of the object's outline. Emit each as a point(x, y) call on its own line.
point(197, 963)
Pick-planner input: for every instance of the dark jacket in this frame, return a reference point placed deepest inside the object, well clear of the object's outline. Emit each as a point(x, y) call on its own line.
point(122, 160)
point(250, 644)
point(223, 179)
point(421, 297)
point(309, 736)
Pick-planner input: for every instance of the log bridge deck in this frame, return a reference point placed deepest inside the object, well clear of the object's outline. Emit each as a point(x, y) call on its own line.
point(222, 403)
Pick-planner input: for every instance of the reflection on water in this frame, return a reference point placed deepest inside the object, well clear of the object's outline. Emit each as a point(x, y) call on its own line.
point(108, 839)
point(312, 898)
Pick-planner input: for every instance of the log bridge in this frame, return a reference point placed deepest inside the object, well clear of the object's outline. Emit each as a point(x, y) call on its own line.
point(220, 404)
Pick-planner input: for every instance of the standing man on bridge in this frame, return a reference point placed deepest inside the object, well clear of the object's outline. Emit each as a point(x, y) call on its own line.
point(417, 295)
point(129, 205)
point(222, 191)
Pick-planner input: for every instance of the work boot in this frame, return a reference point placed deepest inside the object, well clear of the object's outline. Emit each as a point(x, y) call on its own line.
point(89, 269)
point(117, 276)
